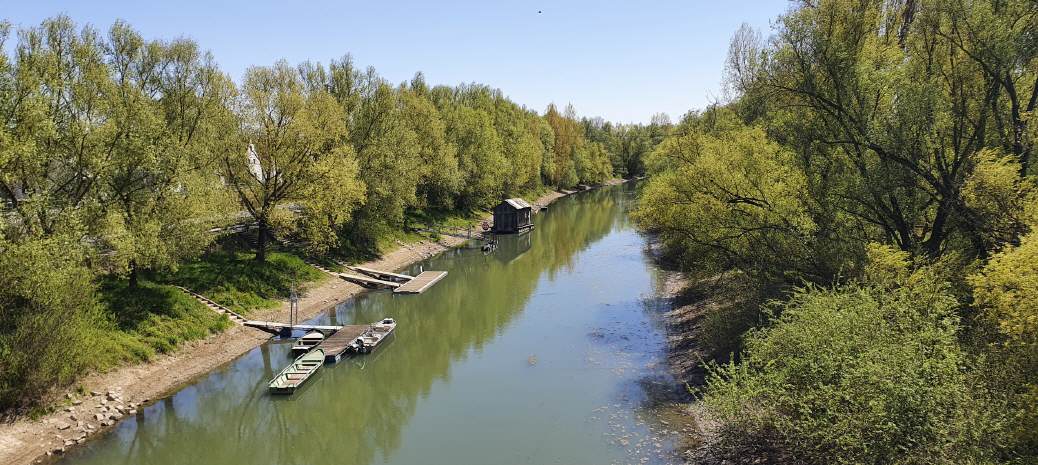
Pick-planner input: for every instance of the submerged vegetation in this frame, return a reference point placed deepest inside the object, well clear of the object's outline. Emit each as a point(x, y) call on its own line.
point(872, 176)
point(123, 160)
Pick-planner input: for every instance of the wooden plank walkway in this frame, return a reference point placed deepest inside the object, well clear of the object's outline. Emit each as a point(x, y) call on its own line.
point(377, 279)
point(278, 328)
point(383, 275)
point(336, 345)
point(367, 281)
point(420, 283)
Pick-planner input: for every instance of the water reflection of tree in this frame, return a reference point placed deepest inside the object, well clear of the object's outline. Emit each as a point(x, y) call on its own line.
point(350, 416)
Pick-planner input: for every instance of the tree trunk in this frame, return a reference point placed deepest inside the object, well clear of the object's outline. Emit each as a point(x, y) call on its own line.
point(261, 241)
point(133, 274)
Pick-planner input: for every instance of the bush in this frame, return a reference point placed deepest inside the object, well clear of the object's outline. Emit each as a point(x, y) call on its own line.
point(47, 305)
point(1006, 292)
point(859, 374)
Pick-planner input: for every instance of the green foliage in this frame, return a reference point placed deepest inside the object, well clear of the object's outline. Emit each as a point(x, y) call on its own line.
point(297, 154)
point(997, 198)
point(232, 280)
point(731, 200)
point(47, 304)
point(1006, 292)
point(886, 148)
point(858, 374)
point(131, 156)
point(567, 136)
point(148, 319)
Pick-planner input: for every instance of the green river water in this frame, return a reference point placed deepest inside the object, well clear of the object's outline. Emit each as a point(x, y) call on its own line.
point(547, 351)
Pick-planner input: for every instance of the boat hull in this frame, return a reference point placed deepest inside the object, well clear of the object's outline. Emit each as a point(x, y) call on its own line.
point(297, 374)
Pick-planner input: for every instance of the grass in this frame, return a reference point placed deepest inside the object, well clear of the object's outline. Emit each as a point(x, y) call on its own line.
point(235, 280)
point(154, 318)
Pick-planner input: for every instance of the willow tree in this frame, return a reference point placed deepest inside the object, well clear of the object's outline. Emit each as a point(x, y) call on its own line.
point(730, 199)
point(480, 157)
point(54, 132)
point(567, 135)
point(159, 193)
point(889, 103)
point(439, 176)
point(294, 171)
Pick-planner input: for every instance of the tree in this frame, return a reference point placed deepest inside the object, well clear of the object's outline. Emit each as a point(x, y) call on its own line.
point(733, 200)
point(387, 146)
point(296, 169)
point(567, 135)
point(480, 157)
point(859, 374)
point(55, 132)
point(158, 190)
point(439, 176)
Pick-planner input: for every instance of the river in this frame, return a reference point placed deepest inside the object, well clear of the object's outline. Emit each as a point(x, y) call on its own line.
point(548, 350)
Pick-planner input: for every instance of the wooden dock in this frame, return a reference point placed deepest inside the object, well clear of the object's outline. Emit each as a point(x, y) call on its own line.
point(336, 345)
point(420, 283)
point(378, 279)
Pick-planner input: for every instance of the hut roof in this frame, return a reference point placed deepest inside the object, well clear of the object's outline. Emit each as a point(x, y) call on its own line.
point(517, 203)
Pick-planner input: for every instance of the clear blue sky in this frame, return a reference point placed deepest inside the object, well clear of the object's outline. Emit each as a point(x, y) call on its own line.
point(622, 60)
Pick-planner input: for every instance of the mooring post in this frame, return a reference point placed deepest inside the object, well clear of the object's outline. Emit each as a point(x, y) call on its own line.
point(293, 309)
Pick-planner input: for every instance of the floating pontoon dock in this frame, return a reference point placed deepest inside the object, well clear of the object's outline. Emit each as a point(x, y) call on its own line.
point(336, 345)
point(420, 283)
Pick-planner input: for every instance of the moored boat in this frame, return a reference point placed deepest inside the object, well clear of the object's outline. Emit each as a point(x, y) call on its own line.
point(297, 373)
point(307, 343)
point(374, 336)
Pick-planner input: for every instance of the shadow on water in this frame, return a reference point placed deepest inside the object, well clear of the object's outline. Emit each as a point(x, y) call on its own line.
point(360, 410)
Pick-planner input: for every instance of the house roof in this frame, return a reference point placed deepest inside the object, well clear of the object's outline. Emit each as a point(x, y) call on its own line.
point(517, 203)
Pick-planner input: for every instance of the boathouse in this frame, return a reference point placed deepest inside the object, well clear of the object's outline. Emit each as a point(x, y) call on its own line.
point(513, 216)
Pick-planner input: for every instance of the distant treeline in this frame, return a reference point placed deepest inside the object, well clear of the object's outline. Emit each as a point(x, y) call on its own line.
point(119, 155)
point(873, 178)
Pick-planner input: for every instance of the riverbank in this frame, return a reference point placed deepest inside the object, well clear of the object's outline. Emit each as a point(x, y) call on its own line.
point(112, 396)
point(703, 320)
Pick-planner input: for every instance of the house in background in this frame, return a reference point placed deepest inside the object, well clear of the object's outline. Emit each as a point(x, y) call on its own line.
point(513, 216)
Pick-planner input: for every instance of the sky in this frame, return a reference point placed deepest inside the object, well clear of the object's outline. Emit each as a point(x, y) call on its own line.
point(621, 60)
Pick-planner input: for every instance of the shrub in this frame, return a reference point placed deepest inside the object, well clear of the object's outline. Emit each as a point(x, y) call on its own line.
point(859, 374)
point(1006, 291)
point(46, 307)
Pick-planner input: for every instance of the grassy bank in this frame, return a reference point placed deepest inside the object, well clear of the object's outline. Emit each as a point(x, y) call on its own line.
point(151, 319)
point(237, 281)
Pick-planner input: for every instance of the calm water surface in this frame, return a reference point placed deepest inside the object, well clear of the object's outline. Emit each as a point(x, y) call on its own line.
point(545, 351)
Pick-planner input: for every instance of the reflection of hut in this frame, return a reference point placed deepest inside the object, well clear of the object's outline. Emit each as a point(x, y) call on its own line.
point(512, 216)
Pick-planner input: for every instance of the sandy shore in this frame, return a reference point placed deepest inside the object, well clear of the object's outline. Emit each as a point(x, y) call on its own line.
point(119, 394)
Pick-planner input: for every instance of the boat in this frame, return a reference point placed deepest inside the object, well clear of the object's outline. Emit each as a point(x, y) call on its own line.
point(371, 338)
point(307, 343)
point(297, 373)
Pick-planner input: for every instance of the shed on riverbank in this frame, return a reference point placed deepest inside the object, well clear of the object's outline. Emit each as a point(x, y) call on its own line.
point(513, 216)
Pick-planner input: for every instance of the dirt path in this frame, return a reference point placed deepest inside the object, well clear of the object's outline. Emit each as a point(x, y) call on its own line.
point(118, 394)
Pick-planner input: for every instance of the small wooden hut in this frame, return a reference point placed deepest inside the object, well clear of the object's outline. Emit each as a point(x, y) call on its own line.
point(513, 216)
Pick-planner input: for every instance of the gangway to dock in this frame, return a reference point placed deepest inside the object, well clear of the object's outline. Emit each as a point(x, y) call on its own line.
point(281, 329)
point(378, 279)
point(383, 275)
point(367, 281)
